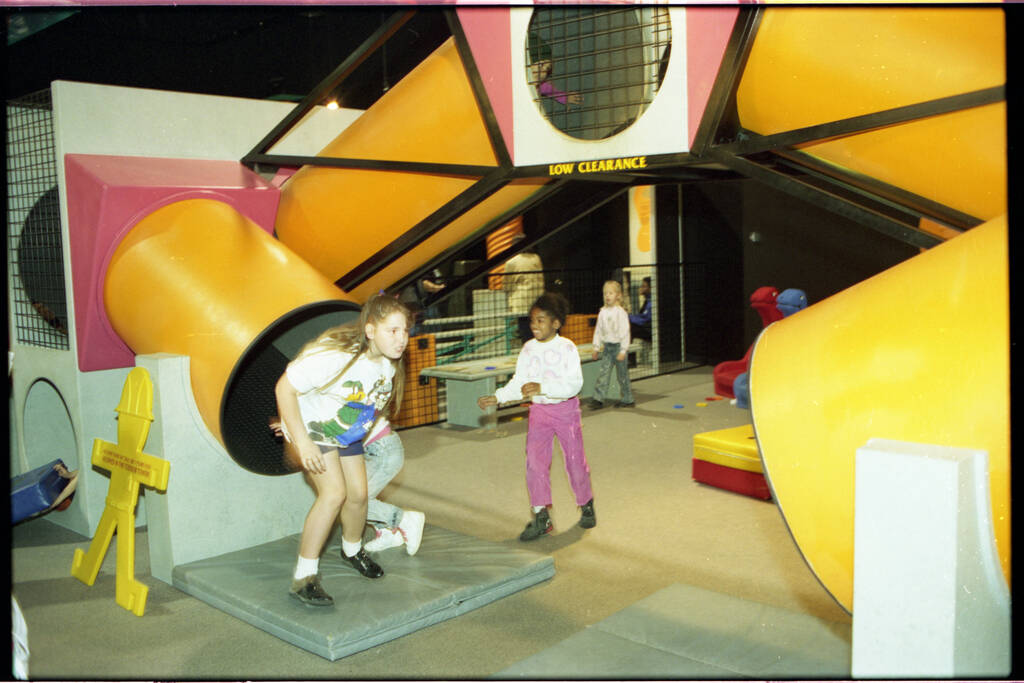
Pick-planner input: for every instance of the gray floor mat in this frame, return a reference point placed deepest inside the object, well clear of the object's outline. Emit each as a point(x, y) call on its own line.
point(688, 632)
point(450, 575)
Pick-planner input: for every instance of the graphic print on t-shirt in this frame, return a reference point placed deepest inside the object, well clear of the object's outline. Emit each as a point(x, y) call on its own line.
point(356, 416)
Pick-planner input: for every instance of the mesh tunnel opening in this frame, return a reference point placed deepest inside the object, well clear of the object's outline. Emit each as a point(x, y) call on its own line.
point(36, 283)
point(595, 70)
point(249, 397)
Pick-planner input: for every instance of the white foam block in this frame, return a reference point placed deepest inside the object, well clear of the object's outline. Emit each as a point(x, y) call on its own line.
point(929, 597)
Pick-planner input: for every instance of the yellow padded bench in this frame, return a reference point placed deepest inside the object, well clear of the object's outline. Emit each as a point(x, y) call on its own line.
point(728, 459)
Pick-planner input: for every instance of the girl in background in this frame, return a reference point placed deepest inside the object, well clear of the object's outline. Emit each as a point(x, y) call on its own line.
point(541, 66)
point(611, 345)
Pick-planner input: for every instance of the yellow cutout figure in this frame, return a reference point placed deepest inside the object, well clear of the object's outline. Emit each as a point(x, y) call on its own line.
point(129, 467)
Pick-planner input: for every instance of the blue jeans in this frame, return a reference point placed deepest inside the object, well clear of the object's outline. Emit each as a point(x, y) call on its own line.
point(384, 459)
point(604, 374)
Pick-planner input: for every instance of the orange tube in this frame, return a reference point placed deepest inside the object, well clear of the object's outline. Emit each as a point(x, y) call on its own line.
point(197, 278)
point(338, 218)
point(814, 65)
point(917, 353)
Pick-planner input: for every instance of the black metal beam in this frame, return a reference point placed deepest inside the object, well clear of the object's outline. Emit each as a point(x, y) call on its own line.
point(597, 176)
point(752, 143)
point(343, 71)
point(723, 92)
point(524, 245)
point(483, 101)
point(545, 192)
point(872, 219)
point(278, 160)
point(876, 190)
point(426, 228)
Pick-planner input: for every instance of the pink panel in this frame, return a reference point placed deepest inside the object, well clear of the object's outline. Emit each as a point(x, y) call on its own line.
point(107, 196)
point(487, 31)
point(707, 35)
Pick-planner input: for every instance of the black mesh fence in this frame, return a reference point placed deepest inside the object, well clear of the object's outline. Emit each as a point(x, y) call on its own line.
point(595, 70)
point(491, 322)
point(35, 256)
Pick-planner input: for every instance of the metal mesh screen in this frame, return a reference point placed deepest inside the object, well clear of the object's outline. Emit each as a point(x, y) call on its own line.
point(491, 321)
point(35, 256)
point(594, 70)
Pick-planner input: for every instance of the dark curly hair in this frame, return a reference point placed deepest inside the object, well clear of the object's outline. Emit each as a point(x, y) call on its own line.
point(554, 304)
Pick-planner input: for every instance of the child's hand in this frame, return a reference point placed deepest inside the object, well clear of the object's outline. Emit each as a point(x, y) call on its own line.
point(596, 354)
point(575, 98)
point(311, 458)
point(531, 389)
point(486, 402)
point(622, 355)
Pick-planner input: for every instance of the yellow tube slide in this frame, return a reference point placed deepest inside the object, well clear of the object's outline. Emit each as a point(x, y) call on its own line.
point(197, 278)
point(917, 353)
point(338, 218)
point(814, 65)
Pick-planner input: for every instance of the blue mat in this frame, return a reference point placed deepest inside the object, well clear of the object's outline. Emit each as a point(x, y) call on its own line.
point(450, 575)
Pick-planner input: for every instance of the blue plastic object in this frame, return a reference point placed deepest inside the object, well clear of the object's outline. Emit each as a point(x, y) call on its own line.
point(36, 490)
point(790, 301)
point(741, 390)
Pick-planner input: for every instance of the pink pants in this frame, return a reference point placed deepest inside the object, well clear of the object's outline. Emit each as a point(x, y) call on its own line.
point(546, 422)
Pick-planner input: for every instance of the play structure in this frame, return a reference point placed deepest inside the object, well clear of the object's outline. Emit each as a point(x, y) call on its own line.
point(874, 341)
point(729, 458)
point(788, 302)
point(763, 301)
point(173, 232)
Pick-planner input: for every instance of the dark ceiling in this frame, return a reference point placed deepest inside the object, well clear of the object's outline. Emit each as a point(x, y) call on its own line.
point(248, 51)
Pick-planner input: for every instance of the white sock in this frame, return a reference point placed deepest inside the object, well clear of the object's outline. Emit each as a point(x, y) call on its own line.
point(306, 567)
point(538, 508)
point(350, 548)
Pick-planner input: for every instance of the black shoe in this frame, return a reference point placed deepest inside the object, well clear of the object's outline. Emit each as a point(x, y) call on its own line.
point(309, 591)
point(588, 520)
point(594, 404)
point(620, 404)
point(364, 565)
point(538, 526)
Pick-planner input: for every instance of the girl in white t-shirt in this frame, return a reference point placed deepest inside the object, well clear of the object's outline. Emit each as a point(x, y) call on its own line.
point(335, 395)
point(549, 374)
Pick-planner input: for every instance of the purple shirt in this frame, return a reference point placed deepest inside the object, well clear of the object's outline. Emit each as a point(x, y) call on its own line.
point(548, 90)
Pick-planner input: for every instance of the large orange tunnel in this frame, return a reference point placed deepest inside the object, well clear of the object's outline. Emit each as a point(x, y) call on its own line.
point(199, 279)
point(920, 352)
point(338, 218)
point(813, 65)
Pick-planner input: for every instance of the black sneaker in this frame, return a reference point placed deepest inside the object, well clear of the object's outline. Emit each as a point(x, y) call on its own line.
point(364, 565)
point(588, 520)
point(538, 526)
point(594, 404)
point(622, 404)
point(309, 591)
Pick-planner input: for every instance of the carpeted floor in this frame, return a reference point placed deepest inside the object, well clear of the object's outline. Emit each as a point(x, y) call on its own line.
point(656, 527)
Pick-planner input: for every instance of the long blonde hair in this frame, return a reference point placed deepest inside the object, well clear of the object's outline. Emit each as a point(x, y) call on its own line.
point(351, 338)
point(623, 301)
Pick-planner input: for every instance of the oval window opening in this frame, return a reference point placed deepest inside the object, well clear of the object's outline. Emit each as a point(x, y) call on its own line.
point(592, 70)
